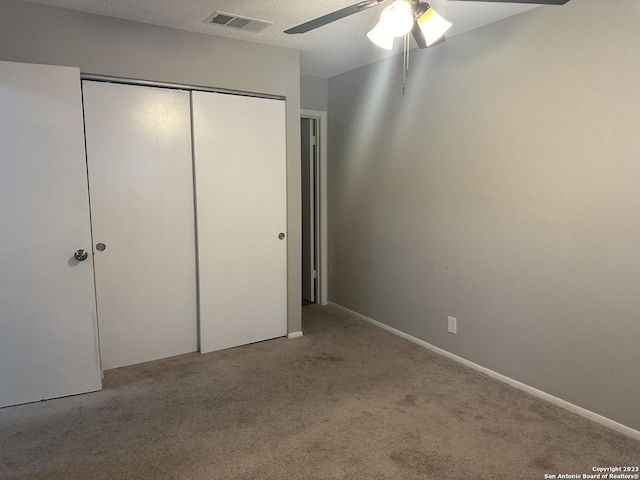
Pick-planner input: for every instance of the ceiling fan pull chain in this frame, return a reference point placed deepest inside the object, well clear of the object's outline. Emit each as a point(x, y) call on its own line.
point(405, 70)
point(407, 47)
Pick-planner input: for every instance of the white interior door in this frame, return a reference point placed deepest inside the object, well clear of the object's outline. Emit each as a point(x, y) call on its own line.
point(141, 182)
point(240, 171)
point(48, 340)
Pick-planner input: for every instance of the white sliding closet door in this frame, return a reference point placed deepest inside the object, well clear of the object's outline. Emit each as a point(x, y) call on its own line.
point(48, 339)
point(140, 177)
point(240, 170)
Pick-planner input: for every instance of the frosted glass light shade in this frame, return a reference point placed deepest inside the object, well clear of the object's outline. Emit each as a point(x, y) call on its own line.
point(395, 21)
point(398, 18)
point(381, 37)
point(433, 26)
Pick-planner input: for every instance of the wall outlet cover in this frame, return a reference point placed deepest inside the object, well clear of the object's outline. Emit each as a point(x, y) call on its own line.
point(452, 325)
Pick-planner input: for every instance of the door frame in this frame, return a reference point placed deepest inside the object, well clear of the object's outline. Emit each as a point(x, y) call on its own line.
point(321, 245)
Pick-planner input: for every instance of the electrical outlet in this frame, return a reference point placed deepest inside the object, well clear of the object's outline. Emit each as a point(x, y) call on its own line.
point(452, 325)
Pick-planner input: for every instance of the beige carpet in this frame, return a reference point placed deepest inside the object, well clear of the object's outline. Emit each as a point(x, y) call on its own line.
point(346, 401)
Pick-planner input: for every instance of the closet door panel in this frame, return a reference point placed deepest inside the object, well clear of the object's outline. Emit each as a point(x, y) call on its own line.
point(141, 185)
point(240, 171)
point(48, 338)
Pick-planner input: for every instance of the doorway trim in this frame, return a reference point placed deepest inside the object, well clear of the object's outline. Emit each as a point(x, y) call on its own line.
point(321, 203)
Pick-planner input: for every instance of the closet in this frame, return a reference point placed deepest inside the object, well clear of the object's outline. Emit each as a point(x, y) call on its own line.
point(141, 187)
point(240, 152)
point(178, 202)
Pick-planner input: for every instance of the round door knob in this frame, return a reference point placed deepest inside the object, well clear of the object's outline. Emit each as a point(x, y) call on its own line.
point(281, 236)
point(80, 255)
point(100, 247)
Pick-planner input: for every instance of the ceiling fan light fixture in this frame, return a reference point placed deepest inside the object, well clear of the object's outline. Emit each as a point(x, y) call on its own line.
point(398, 18)
point(395, 21)
point(433, 26)
point(381, 37)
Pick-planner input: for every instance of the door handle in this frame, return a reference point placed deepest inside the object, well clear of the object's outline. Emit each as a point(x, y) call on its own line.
point(281, 236)
point(80, 255)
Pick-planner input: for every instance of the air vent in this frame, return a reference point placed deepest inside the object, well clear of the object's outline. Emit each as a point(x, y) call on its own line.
point(236, 21)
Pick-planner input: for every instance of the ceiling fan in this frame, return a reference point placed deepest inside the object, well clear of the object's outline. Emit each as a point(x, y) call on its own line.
point(401, 18)
point(415, 8)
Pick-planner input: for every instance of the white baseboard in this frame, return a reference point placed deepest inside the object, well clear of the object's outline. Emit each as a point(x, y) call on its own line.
point(607, 422)
point(294, 335)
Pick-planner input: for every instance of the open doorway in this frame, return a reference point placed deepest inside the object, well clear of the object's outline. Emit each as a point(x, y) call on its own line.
point(313, 187)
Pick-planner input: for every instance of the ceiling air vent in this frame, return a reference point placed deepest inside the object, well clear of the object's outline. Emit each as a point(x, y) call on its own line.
point(239, 23)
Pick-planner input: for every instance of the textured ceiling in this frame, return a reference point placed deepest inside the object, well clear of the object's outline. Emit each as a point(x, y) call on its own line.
point(325, 52)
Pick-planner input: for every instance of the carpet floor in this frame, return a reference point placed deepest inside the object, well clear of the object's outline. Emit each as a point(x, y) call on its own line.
point(346, 401)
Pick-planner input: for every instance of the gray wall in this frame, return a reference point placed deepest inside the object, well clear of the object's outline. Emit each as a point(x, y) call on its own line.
point(314, 93)
point(101, 45)
point(504, 190)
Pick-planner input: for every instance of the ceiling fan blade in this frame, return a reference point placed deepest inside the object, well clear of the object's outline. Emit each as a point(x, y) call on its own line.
point(333, 16)
point(533, 2)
